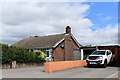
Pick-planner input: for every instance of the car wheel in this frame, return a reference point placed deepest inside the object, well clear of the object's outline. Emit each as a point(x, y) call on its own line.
point(105, 64)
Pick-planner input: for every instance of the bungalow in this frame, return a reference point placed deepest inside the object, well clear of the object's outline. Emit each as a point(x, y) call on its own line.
point(59, 47)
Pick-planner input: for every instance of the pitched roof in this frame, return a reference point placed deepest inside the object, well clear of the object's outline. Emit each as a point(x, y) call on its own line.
point(44, 41)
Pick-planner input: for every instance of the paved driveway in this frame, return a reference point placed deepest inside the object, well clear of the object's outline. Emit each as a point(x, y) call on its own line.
point(81, 72)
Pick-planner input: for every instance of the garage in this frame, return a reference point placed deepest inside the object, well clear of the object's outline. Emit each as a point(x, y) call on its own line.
point(115, 50)
point(87, 50)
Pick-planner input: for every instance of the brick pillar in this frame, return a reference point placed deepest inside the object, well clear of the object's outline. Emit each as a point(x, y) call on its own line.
point(13, 64)
point(116, 56)
point(119, 56)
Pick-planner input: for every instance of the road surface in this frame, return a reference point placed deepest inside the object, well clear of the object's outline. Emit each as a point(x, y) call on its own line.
point(81, 72)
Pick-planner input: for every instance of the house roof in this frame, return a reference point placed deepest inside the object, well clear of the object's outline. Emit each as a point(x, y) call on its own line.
point(37, 41)
point(110, 45)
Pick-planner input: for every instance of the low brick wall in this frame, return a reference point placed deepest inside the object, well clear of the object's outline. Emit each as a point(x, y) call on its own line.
point(61, 65)
point(20, 65)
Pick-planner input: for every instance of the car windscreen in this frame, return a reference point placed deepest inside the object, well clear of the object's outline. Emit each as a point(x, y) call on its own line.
point(98, 53)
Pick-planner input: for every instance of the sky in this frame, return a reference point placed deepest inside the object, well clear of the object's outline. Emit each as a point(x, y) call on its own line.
point(92, 23)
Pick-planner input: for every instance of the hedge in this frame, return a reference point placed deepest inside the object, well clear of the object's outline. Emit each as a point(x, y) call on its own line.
point(21, 55)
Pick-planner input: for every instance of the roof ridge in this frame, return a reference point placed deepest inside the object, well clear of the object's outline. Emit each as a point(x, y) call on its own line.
point(46, 35)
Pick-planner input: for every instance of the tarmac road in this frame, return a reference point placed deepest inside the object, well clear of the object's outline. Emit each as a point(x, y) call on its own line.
point(81, 72)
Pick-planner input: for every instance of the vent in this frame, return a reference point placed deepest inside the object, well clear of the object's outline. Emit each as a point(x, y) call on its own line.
point(93, 57)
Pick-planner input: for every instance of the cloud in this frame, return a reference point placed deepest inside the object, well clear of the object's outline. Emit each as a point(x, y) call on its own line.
point(28, 19)
point(24, 19)
point(107, 18)
point(102, 17)
point(106, 35)
point(1, 22)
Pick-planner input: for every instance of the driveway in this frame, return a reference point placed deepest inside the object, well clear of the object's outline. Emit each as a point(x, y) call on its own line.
point(81, 72)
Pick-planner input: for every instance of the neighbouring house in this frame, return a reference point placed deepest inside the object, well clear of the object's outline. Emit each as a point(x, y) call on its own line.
point(59, 47)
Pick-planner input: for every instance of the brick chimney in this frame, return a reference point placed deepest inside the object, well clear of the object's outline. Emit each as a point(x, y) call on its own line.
point(68, 30)
point(68, 53)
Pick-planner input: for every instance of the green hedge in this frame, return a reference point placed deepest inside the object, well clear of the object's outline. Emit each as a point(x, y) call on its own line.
point(21, 55)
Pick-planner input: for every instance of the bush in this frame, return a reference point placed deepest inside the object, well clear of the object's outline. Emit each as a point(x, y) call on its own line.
point(21, 55)
point(40, 54)
point(7, 54)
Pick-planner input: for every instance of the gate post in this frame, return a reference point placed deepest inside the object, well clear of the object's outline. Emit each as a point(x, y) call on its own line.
point(82, 56)
point(13, 64)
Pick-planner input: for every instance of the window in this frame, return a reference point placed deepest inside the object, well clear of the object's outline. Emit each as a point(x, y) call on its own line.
point(98, 53)
point(47, 52)
point(108, 52)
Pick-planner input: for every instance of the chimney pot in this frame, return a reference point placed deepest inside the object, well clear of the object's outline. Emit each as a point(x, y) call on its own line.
point(68, 30)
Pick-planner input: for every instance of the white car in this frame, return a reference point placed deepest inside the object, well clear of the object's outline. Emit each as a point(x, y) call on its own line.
point(100, 57)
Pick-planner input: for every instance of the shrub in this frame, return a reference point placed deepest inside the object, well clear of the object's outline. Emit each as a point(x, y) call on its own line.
point(21, 55)
point(7, 54)
point(40, 54)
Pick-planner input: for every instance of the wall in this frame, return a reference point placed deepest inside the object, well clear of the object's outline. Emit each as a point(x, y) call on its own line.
point(58, 54)
point(119, 57)
point(20, 65)
point(68, 49)
point(65, 53)
point(61, 65)
point(70, 46)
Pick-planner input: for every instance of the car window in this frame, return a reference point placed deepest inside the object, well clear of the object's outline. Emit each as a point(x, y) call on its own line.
point(98, 53)
point(108, 52)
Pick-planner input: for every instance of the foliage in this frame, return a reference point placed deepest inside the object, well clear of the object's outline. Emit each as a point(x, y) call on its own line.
point(21, 55)
point(41, 54)
point(0, 53)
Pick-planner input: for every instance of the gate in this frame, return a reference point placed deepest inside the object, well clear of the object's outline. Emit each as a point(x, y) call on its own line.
point(77, 55)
